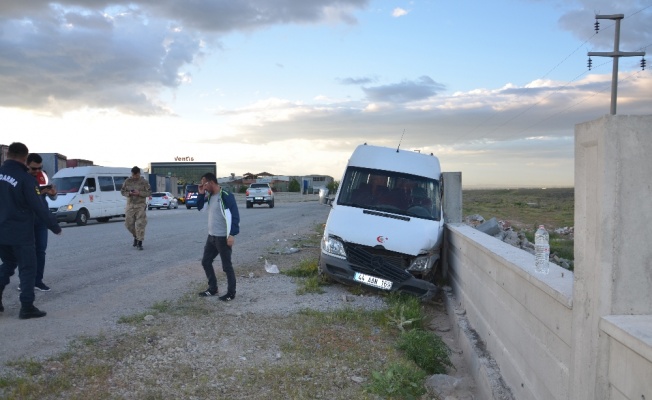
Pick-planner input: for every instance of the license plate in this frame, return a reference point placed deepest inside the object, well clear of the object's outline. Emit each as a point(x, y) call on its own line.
point(258, 198)
point(373, 281)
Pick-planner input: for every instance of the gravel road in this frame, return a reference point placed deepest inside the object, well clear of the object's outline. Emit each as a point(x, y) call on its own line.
point(97, 276)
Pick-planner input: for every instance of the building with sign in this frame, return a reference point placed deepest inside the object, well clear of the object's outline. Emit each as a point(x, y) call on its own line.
point(186, 172)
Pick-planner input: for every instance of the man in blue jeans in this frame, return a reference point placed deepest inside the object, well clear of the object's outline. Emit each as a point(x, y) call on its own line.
point(223, 225)
point(35, 165)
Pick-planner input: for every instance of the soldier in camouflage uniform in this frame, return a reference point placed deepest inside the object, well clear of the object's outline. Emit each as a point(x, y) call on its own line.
point(136, 189)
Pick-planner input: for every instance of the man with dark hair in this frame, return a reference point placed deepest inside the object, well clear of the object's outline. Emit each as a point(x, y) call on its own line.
point(35, 165)
point(19, 202)
point(223, 225)
point(136, 189)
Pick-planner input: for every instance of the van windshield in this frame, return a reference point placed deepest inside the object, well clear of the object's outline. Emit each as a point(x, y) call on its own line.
point(69, 184)
point(393, 192)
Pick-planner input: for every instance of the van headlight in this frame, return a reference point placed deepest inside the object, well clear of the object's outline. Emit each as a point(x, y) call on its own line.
point(65, 208)
point(333, 247)
point(423, 263)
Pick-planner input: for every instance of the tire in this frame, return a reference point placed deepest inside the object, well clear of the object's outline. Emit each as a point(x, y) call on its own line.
point(149, 208)
point(250, 204)
point(188, 207)
point(82, 217)
point(170, 206)
point(271, 204)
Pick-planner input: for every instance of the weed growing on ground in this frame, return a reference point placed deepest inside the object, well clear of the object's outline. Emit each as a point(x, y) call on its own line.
point(426, 349)
point(401, 380)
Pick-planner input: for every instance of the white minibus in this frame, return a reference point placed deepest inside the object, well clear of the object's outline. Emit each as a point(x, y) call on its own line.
point(385, 227)
point(85, 193)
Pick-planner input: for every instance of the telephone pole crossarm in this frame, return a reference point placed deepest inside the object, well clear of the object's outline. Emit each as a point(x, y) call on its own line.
point(616, 54)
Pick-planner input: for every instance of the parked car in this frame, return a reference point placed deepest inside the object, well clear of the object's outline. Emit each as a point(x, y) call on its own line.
point(162, 200)
point(259, 193)
point(192, 191)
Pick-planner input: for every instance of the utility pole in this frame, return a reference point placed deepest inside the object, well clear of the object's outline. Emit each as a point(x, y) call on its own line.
point(616, 54)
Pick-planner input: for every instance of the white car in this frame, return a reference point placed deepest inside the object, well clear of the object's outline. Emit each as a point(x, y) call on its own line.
point(162, 200)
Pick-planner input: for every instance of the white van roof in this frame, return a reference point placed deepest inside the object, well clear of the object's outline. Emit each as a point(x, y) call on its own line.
point(389, 159)
point(95, 169)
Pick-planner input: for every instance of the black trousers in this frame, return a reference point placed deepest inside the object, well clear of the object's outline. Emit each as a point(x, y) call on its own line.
point(23, 257)
point(216, 245)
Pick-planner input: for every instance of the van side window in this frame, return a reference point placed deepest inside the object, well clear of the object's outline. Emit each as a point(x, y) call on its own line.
point(106, 183)
point(90, 184)
point(119, 181)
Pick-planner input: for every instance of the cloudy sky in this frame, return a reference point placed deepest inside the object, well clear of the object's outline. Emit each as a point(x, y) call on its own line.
point(291, 87)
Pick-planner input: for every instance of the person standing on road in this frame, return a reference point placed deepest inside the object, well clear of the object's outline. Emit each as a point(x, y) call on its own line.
point(136, 189)
point(35, 165)
point(223, 225)
point(20, 202)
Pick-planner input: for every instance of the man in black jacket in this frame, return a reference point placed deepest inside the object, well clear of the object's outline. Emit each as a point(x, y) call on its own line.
point(20, 202)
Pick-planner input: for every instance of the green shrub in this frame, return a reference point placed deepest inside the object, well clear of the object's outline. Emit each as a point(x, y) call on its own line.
point(400, 381)
point(426, 349)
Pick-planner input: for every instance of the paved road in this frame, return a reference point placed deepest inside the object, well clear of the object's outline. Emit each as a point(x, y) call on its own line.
point(97, 276)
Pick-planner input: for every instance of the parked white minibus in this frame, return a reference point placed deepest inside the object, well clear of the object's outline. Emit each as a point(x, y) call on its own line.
point(386, 225)
point(85, 193)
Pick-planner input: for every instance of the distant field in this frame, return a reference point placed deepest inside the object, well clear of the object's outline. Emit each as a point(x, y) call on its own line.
point(523, 208)
point(526, 209)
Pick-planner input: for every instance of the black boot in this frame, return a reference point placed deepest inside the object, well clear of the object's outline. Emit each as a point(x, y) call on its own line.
point(140, 245)
point(28, 311)
point(135, 241)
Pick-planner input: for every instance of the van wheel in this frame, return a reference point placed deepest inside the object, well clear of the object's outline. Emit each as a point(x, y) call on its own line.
point(82, 217)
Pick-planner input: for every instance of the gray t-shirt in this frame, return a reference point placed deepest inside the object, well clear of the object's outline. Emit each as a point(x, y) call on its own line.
point(216, 220)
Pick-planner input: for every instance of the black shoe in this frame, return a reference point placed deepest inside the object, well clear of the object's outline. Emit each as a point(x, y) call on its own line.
point(208, 292)
point(27, 312)
point(42, 287)
point(135, 241)
point(139, 245)
point(227, 297)
point(2, 308)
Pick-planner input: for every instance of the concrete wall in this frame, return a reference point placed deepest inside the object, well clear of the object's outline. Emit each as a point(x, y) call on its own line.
point(523, 318)
point(583, 335)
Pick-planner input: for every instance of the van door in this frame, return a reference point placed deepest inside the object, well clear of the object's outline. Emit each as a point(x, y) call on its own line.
point(107, 196)
point(121, 201)
point(91, 197)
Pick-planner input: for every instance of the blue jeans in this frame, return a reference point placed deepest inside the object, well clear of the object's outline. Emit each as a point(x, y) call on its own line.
point(217, 245)
point(41, 243)
point(23, 257)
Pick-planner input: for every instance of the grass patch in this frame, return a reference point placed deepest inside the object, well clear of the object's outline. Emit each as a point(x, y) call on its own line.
point(426, 349)
point(401, 380)
point(309, 279)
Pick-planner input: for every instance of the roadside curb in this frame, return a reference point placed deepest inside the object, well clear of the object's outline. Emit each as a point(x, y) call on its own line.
point(482, 367)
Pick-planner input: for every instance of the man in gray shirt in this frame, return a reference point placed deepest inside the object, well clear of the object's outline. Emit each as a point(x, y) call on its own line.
point(223, 225)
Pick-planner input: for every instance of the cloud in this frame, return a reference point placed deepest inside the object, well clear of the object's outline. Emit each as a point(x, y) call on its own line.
point(399, 12)
point(634, 28)
point(488, 117)
point(75, 54)
point(357, 81)
point(405, 91)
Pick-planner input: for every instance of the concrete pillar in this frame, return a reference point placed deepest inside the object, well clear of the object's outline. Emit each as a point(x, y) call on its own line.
point(452, 200)
point(452, 203)
point(613, 227)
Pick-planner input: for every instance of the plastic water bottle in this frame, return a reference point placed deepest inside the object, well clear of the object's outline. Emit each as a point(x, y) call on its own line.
point(541, 251)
